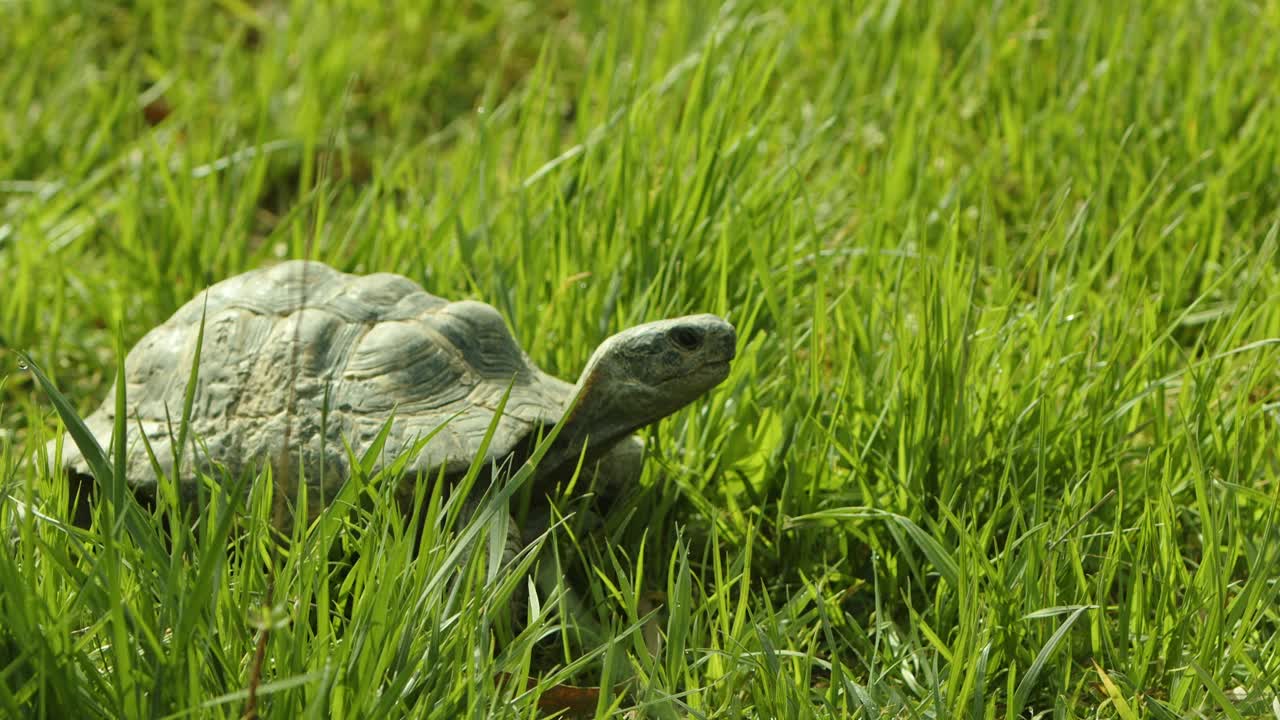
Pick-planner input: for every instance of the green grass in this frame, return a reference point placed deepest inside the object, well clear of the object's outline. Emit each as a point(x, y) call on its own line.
point(1000, 440)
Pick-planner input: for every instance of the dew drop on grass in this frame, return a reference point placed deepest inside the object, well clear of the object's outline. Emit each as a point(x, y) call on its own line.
point(22, 365)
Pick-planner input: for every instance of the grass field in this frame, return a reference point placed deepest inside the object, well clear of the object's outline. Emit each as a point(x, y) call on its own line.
point(999, 442)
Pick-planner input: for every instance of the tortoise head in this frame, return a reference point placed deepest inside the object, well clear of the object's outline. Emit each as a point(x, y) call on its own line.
point(643, 374)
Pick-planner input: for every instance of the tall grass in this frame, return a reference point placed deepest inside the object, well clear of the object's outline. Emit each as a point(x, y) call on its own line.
point(999, 440)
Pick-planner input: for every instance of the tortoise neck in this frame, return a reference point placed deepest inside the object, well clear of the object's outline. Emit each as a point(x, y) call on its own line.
point(596, 421)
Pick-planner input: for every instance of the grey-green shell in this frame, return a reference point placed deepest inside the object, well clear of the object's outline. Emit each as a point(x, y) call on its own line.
point(303, 336)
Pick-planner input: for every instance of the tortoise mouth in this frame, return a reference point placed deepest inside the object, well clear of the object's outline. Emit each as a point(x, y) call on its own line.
point(717, 365)
point(714, 370)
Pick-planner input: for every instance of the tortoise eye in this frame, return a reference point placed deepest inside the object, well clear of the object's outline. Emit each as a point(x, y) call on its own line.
point(685, 338)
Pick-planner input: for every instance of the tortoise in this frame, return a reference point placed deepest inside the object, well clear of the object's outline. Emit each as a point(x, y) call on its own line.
point(299, 352)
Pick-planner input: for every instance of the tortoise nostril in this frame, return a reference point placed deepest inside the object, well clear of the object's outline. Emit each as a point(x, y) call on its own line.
point(685, 338)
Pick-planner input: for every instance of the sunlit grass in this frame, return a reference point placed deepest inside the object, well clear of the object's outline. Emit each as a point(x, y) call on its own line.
point(999, 440)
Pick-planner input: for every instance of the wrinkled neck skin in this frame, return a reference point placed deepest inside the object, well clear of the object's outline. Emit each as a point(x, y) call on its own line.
point(598, 421)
